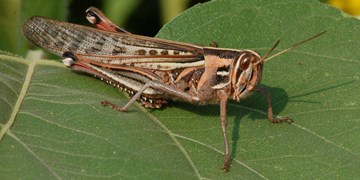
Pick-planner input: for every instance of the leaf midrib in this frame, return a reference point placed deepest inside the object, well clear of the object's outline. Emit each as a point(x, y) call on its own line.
point(26, 84)
point(29, 74)
point(20, 99)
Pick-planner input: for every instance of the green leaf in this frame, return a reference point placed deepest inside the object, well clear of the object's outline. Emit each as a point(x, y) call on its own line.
point(52, 125)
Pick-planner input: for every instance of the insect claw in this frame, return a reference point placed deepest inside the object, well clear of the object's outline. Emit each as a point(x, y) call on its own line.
point(226, 166)
point(214, 44)
point(112, 105)
point(280, 120)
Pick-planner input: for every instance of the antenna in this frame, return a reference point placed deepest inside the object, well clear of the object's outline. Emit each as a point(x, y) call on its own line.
point(263, 59)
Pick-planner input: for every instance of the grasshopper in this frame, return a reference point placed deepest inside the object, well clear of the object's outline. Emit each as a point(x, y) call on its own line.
point(155, 70)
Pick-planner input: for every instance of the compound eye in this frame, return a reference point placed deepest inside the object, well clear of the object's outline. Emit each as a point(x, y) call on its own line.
point(245, 62)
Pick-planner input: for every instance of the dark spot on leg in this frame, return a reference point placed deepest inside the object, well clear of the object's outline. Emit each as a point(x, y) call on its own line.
point(164, 52)
point(140, 52)
point(152, 52)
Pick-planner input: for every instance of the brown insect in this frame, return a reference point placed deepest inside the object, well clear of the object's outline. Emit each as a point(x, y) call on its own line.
point(154, 70)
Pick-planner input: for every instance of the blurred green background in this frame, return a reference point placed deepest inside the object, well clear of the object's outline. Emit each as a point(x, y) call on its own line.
point(144, 17)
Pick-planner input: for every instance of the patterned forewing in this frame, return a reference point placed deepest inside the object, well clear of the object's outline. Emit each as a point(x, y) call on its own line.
point(111, 48)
